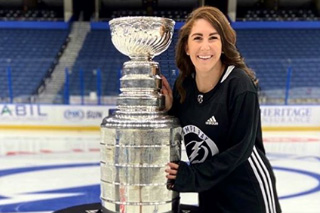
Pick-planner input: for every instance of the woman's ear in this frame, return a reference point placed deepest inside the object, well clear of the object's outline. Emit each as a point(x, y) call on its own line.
point(187, 50)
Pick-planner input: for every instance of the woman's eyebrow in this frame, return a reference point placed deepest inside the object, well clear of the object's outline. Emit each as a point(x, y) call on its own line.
point(196, 34)
point(215, 33)
point(200, 34)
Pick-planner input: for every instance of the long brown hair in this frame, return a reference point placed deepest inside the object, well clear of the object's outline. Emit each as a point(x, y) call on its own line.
point(230, 56)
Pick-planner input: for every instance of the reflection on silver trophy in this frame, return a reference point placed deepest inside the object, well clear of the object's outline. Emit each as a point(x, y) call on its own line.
point(139, 139)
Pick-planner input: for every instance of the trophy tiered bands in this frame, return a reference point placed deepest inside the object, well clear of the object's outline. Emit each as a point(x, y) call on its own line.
point(139, 139)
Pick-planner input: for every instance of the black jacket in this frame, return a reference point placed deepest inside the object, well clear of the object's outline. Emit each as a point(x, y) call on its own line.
point(221, 130)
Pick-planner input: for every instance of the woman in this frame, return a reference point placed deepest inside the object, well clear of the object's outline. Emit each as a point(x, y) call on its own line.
point(215, 98)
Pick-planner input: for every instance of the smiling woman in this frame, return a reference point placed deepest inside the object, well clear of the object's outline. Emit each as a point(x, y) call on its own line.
point(216, 96)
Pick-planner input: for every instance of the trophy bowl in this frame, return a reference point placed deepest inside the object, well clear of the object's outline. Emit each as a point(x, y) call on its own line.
point(141, 37)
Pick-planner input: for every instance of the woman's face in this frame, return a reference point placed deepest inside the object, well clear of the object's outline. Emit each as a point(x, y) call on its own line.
point(204, 47)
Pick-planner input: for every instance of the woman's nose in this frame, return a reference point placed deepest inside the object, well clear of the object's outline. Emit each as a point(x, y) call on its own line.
point(205, 45)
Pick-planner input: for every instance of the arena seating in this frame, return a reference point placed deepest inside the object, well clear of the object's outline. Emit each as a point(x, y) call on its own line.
point(31, 55)
point(30, 15)
point(177, 15)
point(98, 52)
point(270, 53)
point(279, 15)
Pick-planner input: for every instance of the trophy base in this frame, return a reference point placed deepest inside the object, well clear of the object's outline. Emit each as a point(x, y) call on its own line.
point(96, 208)
point(172, 207)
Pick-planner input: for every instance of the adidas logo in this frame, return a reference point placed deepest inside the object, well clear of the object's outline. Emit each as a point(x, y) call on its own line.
point(212, 121)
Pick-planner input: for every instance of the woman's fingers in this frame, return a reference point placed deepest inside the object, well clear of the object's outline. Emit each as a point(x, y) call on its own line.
point(167, 92)
point(172, 170)
point(171, 174)
point(173, 165)
point(166, 84)
point(171, 177)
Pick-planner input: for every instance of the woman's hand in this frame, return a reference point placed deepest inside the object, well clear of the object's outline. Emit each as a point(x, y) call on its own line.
point(167, 92)
point(172, 171)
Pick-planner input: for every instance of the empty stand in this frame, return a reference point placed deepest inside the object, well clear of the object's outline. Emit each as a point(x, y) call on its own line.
point(278, 15)
point(270, 53)
point(31, 15)
point(30, 54)
point(98, 52)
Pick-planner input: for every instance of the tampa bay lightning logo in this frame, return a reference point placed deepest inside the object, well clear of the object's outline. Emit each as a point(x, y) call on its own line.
point(198, 145)
point(197, 150)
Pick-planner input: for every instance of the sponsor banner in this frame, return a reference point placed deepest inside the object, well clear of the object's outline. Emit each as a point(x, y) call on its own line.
point(52, 115)
point(290, 116)
point(91, 116)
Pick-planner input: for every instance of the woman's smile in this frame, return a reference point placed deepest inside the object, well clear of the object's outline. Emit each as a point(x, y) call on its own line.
point(205, 57)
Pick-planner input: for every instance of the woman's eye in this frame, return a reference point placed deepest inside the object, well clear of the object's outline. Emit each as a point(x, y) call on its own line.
point(197, 38)
point(213, 38)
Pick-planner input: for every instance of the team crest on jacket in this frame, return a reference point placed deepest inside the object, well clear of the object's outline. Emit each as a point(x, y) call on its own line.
point(198, 145)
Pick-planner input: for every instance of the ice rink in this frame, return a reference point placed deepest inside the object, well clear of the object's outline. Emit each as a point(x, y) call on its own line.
point(43, 171)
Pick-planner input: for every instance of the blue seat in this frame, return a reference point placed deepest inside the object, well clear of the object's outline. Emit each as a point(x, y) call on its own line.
point(99, 52)
point(30, 54)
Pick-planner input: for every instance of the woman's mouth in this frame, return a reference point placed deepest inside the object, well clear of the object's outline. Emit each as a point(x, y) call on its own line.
point(204, 57)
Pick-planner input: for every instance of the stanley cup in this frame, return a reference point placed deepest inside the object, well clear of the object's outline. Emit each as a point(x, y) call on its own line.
point(139, 139)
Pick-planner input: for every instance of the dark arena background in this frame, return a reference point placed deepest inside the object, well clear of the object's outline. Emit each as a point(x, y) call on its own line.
point(59, 77)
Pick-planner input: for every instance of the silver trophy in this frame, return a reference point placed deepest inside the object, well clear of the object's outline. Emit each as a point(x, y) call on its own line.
point(139, 139)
